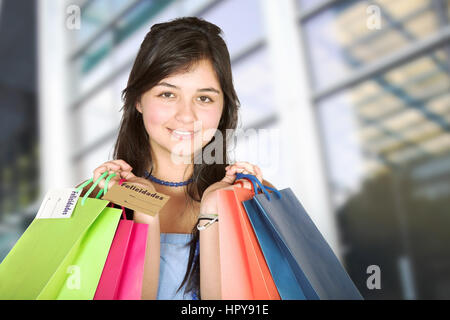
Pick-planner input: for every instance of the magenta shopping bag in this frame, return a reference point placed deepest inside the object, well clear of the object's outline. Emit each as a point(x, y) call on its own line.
point(123, 272)
point(122, 275)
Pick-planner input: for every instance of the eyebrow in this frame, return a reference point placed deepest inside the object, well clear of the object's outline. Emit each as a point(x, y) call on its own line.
point(210, 89)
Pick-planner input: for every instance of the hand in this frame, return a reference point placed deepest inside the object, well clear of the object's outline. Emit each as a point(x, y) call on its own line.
point(123, 171)
point(119, 167)
point(245, 168)
point(209, 198)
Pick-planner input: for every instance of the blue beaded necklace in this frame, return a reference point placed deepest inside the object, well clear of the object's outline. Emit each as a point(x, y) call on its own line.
point(167, 183)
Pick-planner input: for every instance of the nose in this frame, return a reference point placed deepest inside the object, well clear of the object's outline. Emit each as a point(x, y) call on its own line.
point(185, 112)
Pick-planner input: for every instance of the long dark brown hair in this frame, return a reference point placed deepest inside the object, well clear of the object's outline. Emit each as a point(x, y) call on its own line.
point(169, 48)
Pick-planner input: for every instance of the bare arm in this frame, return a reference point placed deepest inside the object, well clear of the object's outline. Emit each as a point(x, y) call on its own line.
point(210, 282)
point(152, 255)
point(152, 252)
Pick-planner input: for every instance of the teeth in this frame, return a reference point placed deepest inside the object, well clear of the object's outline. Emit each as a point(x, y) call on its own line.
point(182, 132)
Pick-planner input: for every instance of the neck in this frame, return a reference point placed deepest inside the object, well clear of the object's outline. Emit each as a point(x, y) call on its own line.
point(171, 168)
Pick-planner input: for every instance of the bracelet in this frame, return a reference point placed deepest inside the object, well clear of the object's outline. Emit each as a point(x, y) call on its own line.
point(211, 217)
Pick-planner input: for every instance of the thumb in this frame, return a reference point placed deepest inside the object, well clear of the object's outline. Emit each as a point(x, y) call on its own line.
point(230, 177)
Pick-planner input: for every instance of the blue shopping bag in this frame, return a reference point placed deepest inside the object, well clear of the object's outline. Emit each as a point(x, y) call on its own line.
point(300, 260)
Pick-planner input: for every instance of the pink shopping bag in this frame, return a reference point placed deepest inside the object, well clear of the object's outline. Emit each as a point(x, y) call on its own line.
point(123, 272)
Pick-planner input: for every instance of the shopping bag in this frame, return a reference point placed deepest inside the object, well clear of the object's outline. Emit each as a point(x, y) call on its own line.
point(283, 273)
point(61, 258)
point(280, 217)
point(280, 269)
point(262, 282)
point(235, 271)
point(123, 272)
point(244, 273)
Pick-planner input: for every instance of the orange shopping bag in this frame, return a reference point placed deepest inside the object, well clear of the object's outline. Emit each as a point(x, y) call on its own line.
point(244, 272)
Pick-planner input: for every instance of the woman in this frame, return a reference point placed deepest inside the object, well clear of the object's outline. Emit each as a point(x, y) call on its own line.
point(178, 102)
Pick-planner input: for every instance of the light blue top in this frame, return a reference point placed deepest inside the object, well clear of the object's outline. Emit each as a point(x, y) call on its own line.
point(173, 264)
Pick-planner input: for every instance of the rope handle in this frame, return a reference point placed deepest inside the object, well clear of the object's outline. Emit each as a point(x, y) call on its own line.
point(254, 180)
point(80, 188)
point(105, 189)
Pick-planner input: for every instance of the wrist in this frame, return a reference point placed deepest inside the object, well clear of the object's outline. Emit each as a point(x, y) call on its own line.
point(205, 220)
point(140, 217)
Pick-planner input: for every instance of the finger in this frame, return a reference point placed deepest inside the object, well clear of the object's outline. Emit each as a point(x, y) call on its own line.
point(230, 176)
point(234, 169)
point(244, 168)
point(127, 175)
point(106, 167)
point(112, 166)
point(122, 164)
point(115, 180)
point(249, 169)
point(98, 172)
point(112, 181)
point(246, 165)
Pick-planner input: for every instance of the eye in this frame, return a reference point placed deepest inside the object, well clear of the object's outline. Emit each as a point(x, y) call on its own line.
point(206, 99)
point(164, 94)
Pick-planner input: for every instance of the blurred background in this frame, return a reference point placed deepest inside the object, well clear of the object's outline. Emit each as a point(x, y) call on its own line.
point(355, 96)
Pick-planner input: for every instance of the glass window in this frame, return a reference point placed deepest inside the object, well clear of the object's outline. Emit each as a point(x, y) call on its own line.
point(243, 28)
point(345, 37)
point(97, 117)
point(308, 4)
point(254, 87)
point(387, 145)
point(95, 14)
point(122, 29)
point(190, 6)
point(91, 160)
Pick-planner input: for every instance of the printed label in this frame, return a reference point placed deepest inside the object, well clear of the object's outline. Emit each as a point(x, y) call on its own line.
point(58, 204)
point(137, 198)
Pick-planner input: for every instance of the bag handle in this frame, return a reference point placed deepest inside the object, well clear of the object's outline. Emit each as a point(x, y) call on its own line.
point(111, 205)
point(254, 180)
point(80, 188)
point(124, 216)
point(105, 189)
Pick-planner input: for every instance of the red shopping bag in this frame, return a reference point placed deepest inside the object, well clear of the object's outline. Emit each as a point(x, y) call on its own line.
point(244, 273)
point(123, 272)
point(264, 287)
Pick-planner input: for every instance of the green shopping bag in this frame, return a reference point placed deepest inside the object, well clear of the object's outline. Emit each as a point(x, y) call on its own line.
point(61, 258)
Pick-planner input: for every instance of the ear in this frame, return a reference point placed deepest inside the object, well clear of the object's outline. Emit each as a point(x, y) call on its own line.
point(139, 107)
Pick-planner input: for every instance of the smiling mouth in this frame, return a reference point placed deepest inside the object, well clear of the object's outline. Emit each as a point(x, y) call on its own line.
point(182, 135)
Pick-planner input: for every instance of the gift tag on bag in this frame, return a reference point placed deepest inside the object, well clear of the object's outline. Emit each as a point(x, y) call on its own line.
point(136, 198)
point(58, 204)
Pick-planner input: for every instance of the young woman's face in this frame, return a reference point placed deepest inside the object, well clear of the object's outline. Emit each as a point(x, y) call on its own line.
point(182, 112)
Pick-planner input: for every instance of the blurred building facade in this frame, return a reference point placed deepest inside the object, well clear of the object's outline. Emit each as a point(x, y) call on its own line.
point(19, 143)
point(380, 82)
point(359, 92)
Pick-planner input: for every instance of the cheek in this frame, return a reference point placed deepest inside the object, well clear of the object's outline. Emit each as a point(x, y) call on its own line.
point(211, 118)
point(154, 117)
point(210, 123)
